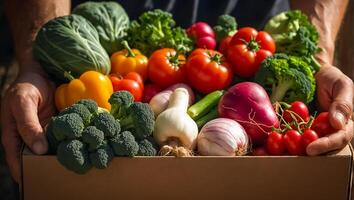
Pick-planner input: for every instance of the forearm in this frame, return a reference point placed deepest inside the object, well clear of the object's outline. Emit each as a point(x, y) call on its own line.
point(327, 16)
point(26, 18)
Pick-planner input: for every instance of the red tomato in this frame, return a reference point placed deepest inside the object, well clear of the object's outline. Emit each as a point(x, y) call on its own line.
point(132, 82)
point(292, 140)
point(300, 109)
point(275, 143)
point(322, 126)
point(166, 68)
point(260, 151)
point(207, 71)
point(307, 137)
point(224, 45)
point(247, 49)
point(150, 91)
point(203, 34)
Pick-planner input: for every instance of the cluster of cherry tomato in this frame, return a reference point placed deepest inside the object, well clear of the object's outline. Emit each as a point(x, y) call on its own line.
point(298, 130)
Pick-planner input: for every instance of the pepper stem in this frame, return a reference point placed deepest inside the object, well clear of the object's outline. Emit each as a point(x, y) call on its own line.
point(68, 76)
point(127, 47)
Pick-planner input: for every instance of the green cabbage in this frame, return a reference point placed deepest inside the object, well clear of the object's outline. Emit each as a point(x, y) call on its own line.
point(70, 45)
point(110, 20)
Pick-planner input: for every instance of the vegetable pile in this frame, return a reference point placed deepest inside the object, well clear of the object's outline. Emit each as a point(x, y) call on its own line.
point(149, 87)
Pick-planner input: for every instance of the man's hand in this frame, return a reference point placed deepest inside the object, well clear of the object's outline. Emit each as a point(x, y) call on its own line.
point(335, 94)
point(26, 108)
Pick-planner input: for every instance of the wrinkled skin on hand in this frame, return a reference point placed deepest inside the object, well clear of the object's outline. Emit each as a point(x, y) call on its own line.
point(25, 110)
point(335, 94)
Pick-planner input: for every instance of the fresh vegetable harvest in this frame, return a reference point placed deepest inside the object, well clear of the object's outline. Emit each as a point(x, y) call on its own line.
point(129, 60)
point(131, 82)
point(110, 20)
point(90, 85)
point(166, 67)
point(155, 30)
point(208, 71)
point(287, 78)
point(222, 137)
point(70, 44)
point(159, 102)
point(297, 109)
point(203, 35)
point(174, 130)
point(247, 49)
point(248, 104)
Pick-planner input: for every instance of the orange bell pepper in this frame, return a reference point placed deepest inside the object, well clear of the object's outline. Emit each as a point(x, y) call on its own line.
point(129, 60)
point(90, 85)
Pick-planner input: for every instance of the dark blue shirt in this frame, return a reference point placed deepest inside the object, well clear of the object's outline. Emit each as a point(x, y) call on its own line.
point(253, 13)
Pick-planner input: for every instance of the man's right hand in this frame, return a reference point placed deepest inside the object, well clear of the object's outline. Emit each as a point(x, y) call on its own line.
point(25, 110)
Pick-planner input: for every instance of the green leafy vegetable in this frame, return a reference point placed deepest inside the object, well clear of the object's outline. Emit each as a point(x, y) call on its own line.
point(295, 35)
point(70, 44)
point(110, 20)
point(156, 29)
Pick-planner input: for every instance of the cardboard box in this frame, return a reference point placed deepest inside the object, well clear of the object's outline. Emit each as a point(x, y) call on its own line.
point(246, 178)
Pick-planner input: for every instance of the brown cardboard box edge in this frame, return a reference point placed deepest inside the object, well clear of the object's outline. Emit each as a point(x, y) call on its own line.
point(130, 178)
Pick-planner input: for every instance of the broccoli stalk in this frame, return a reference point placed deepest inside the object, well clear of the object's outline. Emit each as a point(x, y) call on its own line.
point(279, 90)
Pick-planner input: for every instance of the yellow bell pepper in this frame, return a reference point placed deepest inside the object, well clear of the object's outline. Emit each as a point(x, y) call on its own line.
point(129, 60)
point(90, 85)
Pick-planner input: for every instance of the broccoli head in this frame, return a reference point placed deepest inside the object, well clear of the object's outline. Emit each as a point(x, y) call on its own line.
point(120, 102)
point(287, 78)
point(225, 26)
point(124, 144)
point(139, 120)
point(67, 126)
point(146, 148)
point(79, 109)
point(74, 156)
point(53, 143)
point(107, 124)
point(102, 156)
point(90, 104)
point(92, 137)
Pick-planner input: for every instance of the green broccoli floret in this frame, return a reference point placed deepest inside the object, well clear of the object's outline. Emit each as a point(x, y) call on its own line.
point(287, 78)
point(225, 26)
point(67, 126)
point(107, 124)
point(146, 148)
point(102, 156)
point(74, 156)
point(124, 144)
point(53, 143)
point(81, 110)
point(93, 137)
point(120, 102)
point(139, 120)
point(90, 104)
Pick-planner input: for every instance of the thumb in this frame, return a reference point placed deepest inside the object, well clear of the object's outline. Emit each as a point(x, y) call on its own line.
point(28, 125)
point(339, 114)
point(340, 110)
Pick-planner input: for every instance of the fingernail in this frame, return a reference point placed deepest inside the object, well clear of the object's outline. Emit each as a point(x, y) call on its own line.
point(39, 147)
point(340, 117)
